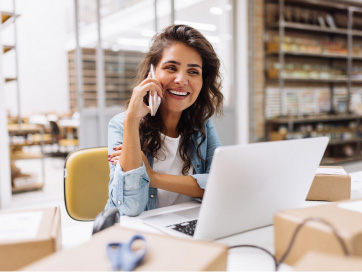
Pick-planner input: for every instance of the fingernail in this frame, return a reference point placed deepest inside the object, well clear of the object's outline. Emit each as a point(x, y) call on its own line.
point(114, 148)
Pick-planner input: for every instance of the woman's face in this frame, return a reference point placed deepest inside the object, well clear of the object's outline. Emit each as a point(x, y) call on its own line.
point(180, 73)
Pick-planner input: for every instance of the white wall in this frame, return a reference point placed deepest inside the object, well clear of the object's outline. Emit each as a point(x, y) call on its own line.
point(43, 70)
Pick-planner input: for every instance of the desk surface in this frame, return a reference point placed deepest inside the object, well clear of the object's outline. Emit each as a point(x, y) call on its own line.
point(240, 259)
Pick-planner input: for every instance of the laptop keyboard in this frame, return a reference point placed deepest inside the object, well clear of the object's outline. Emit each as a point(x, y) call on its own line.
point(185, 227)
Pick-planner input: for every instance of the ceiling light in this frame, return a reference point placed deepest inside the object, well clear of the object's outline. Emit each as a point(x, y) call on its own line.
point(216, 10)
point(198, 26)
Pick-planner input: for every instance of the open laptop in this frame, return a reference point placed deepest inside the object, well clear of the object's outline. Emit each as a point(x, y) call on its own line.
point(247, 185)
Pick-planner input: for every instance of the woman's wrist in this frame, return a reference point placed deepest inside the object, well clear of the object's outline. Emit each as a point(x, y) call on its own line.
point(130, 119)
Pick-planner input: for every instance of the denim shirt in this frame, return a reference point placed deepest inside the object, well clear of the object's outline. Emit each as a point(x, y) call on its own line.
point(130, 191)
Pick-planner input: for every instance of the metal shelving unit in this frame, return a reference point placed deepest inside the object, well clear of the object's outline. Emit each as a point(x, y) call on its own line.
point(19, 129)
point(279, 77)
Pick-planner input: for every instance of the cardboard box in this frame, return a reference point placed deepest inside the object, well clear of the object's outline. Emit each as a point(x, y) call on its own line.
point(28, 235)
point(316, 261)
point(345, 217)
point(330, 187)
point(165, 253)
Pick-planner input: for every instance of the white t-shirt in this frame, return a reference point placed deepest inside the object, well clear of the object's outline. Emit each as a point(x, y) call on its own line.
point(169, 162)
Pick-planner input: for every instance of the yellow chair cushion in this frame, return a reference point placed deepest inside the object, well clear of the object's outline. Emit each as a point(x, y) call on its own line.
point(86, 178)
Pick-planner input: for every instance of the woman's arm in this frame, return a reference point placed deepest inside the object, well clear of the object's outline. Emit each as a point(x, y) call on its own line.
point(131, 152)
point(185, 185)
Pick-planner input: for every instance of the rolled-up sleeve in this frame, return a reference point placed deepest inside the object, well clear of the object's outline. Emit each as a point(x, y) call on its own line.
point(201, 179)
point(128, 191)
point(207, 151)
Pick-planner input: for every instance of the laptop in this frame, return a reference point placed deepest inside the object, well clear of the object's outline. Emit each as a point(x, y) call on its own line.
point(247, 185)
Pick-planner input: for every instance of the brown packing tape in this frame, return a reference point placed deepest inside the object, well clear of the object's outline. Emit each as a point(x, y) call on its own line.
point(165, 253)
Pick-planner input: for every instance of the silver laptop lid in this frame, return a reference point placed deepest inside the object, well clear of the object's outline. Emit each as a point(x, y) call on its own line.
point(249, 183)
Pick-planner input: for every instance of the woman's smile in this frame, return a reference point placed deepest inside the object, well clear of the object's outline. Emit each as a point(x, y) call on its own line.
point(178, 94)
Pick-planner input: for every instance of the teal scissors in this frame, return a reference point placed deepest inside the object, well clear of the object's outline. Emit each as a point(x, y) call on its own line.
point(122, 257)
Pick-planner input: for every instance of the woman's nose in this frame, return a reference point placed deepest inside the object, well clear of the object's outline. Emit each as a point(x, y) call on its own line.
point(181, 78)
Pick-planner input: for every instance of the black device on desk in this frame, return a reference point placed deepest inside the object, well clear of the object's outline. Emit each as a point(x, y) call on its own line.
point(106, 219)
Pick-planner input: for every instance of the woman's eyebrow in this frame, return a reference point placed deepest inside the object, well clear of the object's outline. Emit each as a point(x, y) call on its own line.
point(178, 63)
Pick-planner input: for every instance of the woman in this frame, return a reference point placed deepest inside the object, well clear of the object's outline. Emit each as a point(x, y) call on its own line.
point(165, 159)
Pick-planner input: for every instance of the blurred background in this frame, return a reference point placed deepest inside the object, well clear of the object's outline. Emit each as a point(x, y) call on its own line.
point(291, 69)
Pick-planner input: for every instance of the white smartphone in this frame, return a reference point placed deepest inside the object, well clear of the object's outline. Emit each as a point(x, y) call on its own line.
point(153, 101)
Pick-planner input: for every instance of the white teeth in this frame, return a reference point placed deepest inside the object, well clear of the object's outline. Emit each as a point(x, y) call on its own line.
point(178, 93)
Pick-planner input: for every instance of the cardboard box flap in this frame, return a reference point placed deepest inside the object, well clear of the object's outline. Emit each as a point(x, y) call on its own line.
point(28, 236)
point(48, 226)
point(351, 223)
point(332, 167)
point(164, 253)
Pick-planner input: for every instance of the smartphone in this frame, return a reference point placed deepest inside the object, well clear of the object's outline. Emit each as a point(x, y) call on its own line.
point(153, 101)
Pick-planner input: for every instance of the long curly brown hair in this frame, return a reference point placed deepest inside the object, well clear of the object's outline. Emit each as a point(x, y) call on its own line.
point(208, 103)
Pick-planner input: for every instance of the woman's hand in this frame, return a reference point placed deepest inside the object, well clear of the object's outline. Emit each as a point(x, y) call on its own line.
point(137, 109)
point(116, 155)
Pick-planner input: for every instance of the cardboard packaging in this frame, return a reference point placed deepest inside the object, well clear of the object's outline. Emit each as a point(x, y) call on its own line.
point(28, 235)
point(164, 253)
point(330, 187)
point(316, 261)
point(345, 217)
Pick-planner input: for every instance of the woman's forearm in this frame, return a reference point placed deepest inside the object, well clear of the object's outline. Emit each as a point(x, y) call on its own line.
point(185, 185)
point(131, 148)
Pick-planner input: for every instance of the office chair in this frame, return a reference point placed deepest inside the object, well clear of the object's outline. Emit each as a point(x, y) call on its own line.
point(86, 177)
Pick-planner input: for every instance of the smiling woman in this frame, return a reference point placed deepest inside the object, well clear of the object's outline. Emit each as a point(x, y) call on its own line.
point(165, 159)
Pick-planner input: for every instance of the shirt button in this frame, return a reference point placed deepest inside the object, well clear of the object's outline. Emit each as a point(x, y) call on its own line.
point(119, 202)
point(152, 196)
point(198, 166)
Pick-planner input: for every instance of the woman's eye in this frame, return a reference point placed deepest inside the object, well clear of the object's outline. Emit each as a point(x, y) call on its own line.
point(194, 72)
point(172, 68)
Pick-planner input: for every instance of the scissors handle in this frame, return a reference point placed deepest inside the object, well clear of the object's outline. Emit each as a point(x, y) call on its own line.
point(131, 259)
point(122, 257)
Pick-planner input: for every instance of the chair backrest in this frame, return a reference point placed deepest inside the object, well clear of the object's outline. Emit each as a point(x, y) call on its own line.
point(86, 178)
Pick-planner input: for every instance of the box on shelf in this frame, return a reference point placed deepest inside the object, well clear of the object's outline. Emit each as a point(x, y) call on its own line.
point(164, 253)
point(28, 235)
point(317, 261)
point(331, 183)
point(345, 217)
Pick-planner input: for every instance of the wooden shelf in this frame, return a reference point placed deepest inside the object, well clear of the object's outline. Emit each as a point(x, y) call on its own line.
point(320, 67)
point(120, 69)
point(31, 187)
point(9, 79)
point(7, 48)
point(24, 156)
point(309, 80)
point(314, 119)
point(342, 142)
point(306, 54)
point(7, 18)
point(336, 161)
point(308, 27)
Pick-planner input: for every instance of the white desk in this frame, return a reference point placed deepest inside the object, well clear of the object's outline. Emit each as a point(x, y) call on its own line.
point(240, 259)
